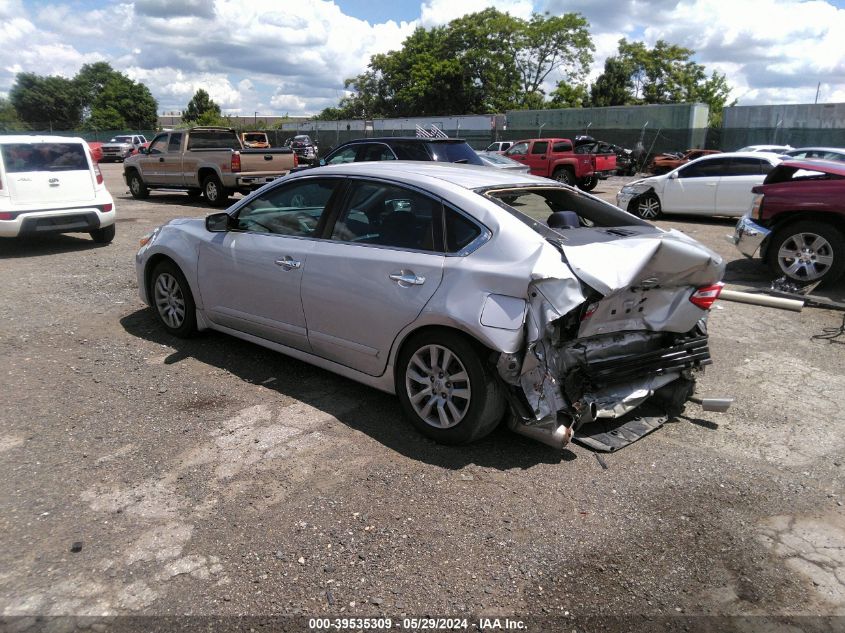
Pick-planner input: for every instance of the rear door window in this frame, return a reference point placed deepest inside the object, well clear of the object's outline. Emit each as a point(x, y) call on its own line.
point(375, 152)
point(408, 150)
point(25, 157)
point(175, 142)
point(711, 168)
point(540, 147)
point(346, 155)
point(384, 214)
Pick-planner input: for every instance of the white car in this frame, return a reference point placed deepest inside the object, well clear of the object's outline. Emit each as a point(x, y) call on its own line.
point(777, 149)
point(50, 184)
point(719, 184)
point(499, 146)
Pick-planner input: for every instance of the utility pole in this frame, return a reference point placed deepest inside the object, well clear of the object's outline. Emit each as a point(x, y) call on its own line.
point(818, 89)
point(255, 122)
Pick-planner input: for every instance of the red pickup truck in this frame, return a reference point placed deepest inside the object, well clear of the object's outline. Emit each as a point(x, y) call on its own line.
point(555, 158)
point(797, 221)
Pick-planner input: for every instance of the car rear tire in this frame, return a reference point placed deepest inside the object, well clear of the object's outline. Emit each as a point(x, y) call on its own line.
point(103, 235)
point(647, 207)
point(807, 251)
point(215, 194)
point(445, 388)
point(588, 184)
point(137, 187)
point(171, 298)
point(564, 175)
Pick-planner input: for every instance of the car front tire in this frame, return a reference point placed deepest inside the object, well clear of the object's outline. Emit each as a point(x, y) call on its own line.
point(171, 298)
point(807, 252)
point(588, 184)
point(446, 389)
point(647, 207)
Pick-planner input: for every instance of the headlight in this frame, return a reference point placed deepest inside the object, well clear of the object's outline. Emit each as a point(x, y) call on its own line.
point(149, 237)
point(636, 188)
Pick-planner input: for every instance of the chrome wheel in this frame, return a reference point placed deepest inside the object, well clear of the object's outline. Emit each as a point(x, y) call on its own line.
point(648, 207)
point(212, 193)
point(438, 386)
point(169, 300)
point(135, 185)
point(806, 256)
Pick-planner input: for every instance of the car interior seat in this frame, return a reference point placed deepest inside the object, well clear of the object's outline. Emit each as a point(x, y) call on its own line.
point(563, 220)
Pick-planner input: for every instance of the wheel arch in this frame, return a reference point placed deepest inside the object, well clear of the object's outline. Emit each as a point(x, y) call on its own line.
point(786, 218)
point(483, 349)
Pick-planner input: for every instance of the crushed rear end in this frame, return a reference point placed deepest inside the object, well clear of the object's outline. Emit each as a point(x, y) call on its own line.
point(616, 335)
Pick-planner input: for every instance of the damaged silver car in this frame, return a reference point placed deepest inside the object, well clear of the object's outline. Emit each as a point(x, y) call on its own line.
point(472, 294)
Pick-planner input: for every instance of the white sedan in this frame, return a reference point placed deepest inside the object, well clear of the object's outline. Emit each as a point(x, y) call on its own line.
point(719, 184)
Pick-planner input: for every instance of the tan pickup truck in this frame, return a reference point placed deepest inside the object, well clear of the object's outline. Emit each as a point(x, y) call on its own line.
point(205, 161)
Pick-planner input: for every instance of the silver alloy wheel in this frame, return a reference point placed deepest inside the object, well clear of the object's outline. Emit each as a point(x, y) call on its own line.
point(648, 207)
point(806, 256)
point(135, 184)
point(211, 191)
point(169, 300)
point(438, 386)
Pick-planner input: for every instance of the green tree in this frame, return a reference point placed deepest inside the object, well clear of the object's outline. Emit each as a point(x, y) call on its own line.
point(481, 63)
point(201, 109)
point(567, 95)
point(9, 120)
point(47, 102)
point(664, 73)
point(614, 86)
point(552, 44)
point(123, 104)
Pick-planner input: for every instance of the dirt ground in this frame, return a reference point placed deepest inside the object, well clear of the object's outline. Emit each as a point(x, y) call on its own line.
point(214, 477)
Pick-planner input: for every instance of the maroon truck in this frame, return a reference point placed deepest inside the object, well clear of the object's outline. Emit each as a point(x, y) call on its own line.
point(555, 158)
point(797, 221)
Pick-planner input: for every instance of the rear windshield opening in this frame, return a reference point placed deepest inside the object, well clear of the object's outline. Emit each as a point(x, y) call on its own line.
point(534, 206)
point(23, 157)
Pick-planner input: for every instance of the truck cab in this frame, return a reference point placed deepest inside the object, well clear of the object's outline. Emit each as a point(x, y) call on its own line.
point(552, 158)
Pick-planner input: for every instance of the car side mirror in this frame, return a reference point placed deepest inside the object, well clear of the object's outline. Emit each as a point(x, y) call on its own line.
point(218, 222)
point(673, 175)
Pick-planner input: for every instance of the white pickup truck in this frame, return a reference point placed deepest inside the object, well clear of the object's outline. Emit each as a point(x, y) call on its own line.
point(122, 147)
point(205, 161)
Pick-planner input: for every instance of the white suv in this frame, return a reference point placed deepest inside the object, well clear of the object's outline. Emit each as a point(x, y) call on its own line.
point(50, 184)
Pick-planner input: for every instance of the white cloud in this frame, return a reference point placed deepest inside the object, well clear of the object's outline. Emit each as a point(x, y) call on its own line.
point(437, 12)
point(293, 56)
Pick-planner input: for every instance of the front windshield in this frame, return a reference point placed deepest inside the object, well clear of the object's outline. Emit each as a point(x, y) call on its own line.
point(121, 139)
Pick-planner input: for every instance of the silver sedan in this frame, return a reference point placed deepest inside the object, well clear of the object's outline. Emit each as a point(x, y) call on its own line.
point(472, 294)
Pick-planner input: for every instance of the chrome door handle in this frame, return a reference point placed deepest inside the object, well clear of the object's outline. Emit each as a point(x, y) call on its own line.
point(288, 263)
point(405, 279)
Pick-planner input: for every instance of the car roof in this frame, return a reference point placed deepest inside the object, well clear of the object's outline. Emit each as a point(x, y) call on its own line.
point(418, 139)
point(37, 138)
point(839, 150)
point(817, 164)
point(420, 173)
point(772, 156)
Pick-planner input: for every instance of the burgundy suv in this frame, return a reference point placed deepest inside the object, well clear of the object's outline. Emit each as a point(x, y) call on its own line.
point(797, 221)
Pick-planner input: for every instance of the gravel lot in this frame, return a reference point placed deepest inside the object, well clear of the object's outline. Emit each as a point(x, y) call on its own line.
point(214, 477)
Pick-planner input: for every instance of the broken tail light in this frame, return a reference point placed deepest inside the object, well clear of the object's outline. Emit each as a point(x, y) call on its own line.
point(706, 296)
point(236, 162)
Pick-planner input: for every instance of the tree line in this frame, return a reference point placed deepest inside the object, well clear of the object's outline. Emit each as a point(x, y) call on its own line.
point(97, 98)
point(482, 63)
point(490, 62)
